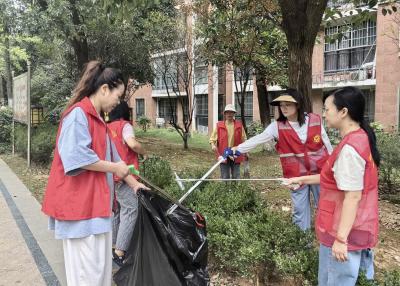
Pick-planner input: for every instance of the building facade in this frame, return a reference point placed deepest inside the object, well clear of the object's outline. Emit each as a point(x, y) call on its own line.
point(367, 56)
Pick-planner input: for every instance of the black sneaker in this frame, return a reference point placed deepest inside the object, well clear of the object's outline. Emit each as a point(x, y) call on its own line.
point(119, 260)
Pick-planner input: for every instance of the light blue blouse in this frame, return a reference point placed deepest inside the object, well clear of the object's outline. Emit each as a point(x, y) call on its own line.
point(74, 149)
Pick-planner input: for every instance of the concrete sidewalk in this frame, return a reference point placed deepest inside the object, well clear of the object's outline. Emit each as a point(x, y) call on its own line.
point(29, 254)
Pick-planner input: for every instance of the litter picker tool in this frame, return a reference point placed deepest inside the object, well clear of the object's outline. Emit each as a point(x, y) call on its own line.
point(172, 208)
point(228, 180)
point(135, 172)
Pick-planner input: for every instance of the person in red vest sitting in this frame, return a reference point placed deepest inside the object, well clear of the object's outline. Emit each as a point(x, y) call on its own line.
point(123, 136)
point(228, 133)
point(302, 145)
point(80, 191)
point(347, 219)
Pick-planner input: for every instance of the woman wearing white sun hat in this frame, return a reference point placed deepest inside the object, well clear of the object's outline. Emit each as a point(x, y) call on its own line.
point(228, 133)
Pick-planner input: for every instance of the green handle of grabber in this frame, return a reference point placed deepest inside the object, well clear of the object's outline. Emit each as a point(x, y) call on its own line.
point(132, 170)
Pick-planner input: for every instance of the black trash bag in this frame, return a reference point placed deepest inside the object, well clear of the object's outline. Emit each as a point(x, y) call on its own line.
point(165, 250)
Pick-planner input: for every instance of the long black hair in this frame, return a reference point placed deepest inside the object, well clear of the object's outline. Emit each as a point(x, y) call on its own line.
point(298, 96)
point(94, 75)
point(121, 111)
point(354, 100)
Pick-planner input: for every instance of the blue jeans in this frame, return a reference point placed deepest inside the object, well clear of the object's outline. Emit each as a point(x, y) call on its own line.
point(301, 198)
point(334, 273)
point(230, 170)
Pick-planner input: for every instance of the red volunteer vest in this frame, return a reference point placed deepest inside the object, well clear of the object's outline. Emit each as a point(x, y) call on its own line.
point(298, 159)
point(127, 155)
point(86, 195)
point(364, 233)
point(222, 134)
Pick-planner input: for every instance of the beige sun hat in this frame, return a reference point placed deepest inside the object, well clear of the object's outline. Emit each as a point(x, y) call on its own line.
point(283, 97)
point(229, 107)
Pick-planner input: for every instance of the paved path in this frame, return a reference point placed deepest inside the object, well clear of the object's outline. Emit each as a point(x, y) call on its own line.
point(29, 254)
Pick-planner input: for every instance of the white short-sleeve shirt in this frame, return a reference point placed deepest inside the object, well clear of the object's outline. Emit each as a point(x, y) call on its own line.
point(349, 169)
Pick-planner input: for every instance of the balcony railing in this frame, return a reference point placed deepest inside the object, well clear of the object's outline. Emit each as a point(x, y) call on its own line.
point(364, 73)
point(341, 3)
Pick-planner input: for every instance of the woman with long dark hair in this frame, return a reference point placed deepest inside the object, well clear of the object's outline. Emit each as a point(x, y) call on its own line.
point(347, 218)
point(302, 145)
point(80, 190)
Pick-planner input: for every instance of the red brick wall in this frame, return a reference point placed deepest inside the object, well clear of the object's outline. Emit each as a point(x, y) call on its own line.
point(150, 105)
point(387, 70)
point(318, 57)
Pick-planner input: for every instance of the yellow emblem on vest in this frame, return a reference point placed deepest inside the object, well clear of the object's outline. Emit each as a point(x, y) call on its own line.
point(113, 133)
point(317, 138)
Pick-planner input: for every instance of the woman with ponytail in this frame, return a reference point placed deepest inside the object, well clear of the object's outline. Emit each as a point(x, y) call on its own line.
point(80, 191)
point(347, 219)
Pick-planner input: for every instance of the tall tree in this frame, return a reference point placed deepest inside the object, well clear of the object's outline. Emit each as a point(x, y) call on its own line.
point(301, 21)
point(173, 61)
point(238, 33)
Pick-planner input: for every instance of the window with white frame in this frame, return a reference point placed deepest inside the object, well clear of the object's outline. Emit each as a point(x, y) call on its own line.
point(201, 110)
point(165, 67)
point(369, 112)
point(248, 106)
point(355, 47)
point(139, 107)
point(201, 73)
point(167, 109)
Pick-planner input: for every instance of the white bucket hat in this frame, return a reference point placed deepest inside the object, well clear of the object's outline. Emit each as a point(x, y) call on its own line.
point(229, 107)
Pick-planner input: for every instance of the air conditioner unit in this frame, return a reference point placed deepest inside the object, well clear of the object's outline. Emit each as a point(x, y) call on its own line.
point(160, 122)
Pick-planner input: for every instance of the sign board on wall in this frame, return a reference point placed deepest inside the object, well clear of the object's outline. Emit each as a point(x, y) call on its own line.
point(20, 94)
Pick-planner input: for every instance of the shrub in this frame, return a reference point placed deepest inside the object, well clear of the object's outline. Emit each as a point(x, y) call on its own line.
point(246, 238)
point(254, 128)
point(389, 171)
point(144, 122)
point(5, 129)
point(391, 278)
point(43, 143)
point(157, 171)
point(20, 139)
point(43, 140)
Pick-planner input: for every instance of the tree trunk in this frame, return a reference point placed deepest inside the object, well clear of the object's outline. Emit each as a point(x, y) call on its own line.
point(185, 141)
point(79, 40)
point(2, 97)
point(301, 22)
point(7, 62)
point(300, 73)
point(263, 104)
point(241, 104)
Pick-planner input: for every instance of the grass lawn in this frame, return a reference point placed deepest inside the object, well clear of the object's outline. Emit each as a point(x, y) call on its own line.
point(197, 140)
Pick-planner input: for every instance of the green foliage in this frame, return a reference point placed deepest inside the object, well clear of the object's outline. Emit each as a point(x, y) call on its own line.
point(20, 139)
point(254, 128)
point(157, 171)
point(391, 278)
point(5, 129)
point(51, 86)
point(244, 34)
point(389, 171)
point(144, 122)
point(42, 142)
point(245, 238)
